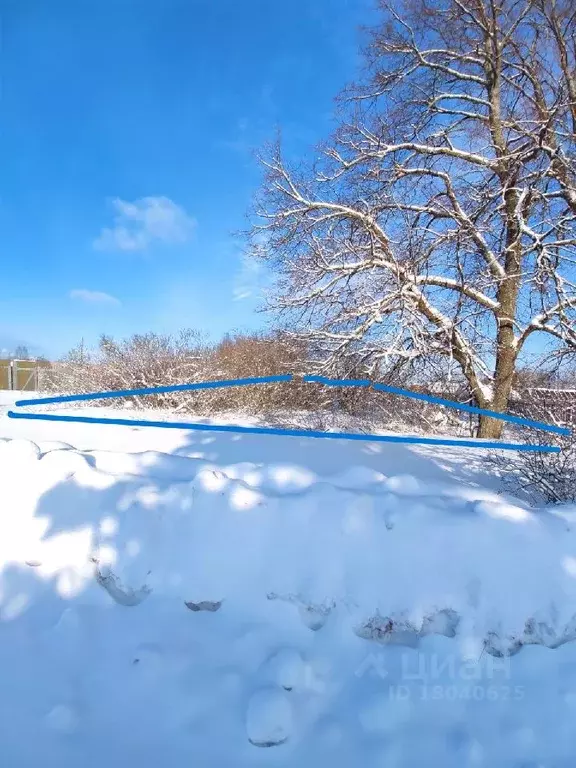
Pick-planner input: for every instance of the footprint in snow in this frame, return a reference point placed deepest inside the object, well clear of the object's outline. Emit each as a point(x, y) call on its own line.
point(269, 718)
point(118, 592)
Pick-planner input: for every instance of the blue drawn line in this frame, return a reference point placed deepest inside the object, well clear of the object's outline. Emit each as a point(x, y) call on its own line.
point(289, 432)
point(440, 401)
point(292, 432)
point(155, 390)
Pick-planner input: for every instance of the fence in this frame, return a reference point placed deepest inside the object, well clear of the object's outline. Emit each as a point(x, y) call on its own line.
point(557, 405)
point(20, 375)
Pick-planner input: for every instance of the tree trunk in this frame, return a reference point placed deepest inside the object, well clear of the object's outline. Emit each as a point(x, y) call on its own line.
point(490, 428)
point(503, 378)
point(506, 347)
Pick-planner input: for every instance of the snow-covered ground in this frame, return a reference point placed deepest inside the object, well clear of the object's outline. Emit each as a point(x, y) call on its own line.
point(176, 598)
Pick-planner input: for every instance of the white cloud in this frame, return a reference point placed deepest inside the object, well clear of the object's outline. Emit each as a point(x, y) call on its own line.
point(253, 279)
point(250, 279)
point(143, 222)
point(93, 297)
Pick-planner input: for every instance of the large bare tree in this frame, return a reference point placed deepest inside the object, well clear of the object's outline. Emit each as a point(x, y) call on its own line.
point(438, 223)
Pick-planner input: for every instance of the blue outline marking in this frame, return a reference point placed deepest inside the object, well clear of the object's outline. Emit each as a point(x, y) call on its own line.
point(292, 432)
point(155, 390)
point(440, 401)
point(289, 432)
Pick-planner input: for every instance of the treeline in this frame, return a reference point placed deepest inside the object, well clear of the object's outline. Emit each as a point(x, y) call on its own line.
point(153, 360)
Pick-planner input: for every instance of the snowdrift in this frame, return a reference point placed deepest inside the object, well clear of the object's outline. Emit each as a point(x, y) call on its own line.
point(179, 608)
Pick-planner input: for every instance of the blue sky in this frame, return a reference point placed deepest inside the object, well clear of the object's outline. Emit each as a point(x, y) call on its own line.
point(127, 135)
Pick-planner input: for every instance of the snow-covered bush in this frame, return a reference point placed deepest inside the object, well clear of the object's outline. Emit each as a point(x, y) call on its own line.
point(549, 477)
point(153, 360)
point(142, 360)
